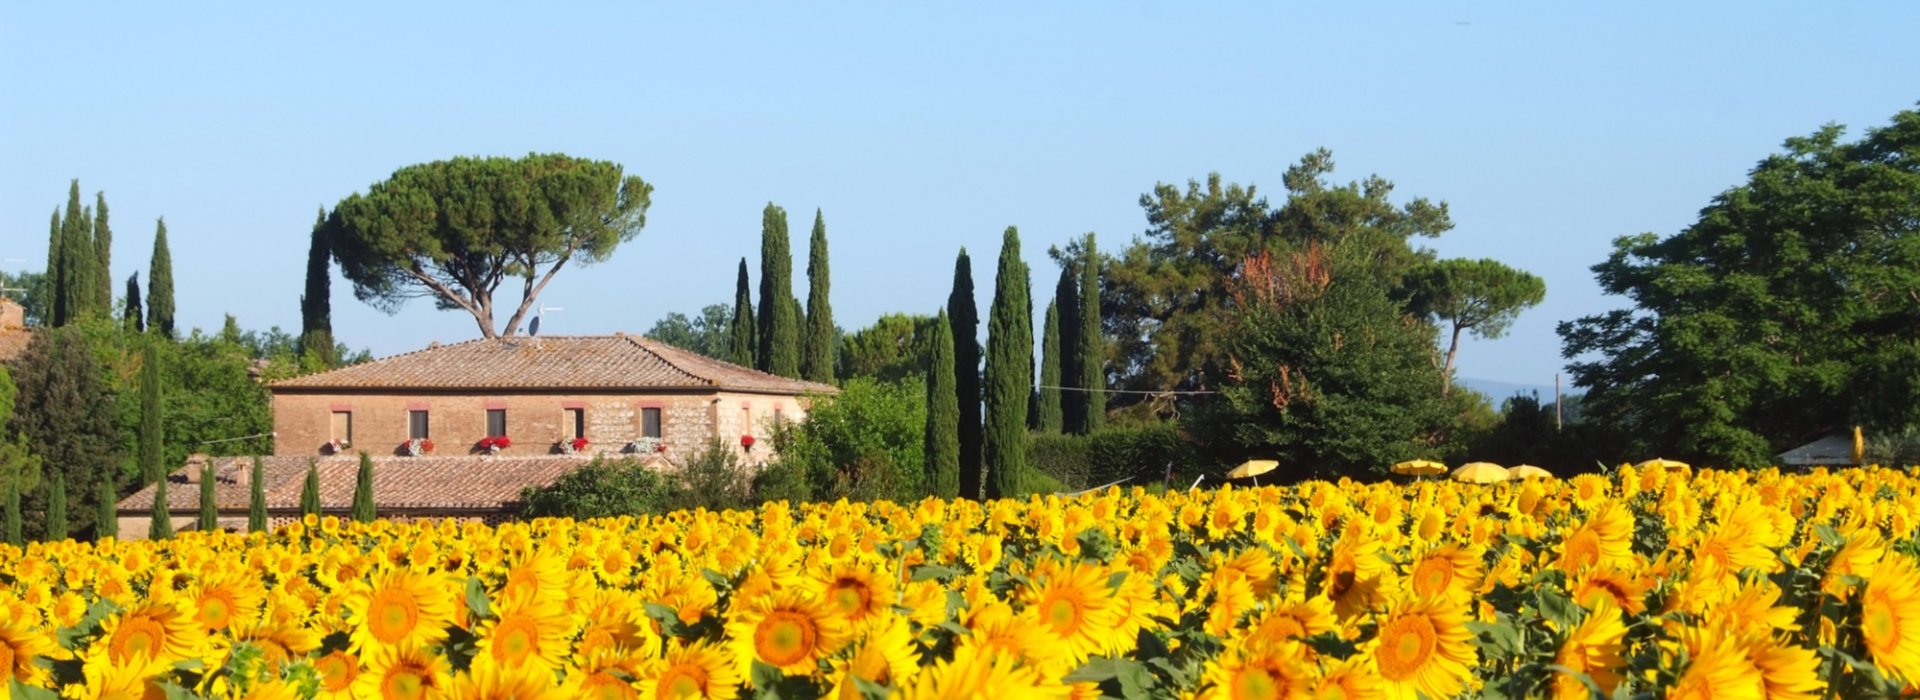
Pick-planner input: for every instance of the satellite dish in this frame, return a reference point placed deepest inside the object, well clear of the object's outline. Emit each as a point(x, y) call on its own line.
point(534, 328)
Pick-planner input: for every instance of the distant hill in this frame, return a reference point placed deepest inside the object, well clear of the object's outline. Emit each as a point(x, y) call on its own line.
point(1499, 391)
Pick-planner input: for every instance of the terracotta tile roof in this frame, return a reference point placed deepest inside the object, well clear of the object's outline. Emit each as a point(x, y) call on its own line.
point(552, 362)
point(473, 483)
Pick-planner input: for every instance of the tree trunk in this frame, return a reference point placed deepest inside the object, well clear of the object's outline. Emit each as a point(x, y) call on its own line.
point(1447, 371)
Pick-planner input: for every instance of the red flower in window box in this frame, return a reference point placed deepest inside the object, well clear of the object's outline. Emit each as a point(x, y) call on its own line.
point(578, 444)
point(495, 443)
point(417, 447)
point(746, 441)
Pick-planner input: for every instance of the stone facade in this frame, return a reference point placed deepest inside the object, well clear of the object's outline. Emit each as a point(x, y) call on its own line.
point(537, 421)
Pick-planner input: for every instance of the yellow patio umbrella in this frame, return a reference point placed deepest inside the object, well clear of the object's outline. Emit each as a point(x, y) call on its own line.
point(1661, 463)
point(1859, 448)
point(1528, 471)
point(1252, 469)
point(1480, 473)
point(1419, 467)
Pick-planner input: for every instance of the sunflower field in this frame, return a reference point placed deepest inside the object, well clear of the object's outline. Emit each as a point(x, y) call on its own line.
point(1640, 583)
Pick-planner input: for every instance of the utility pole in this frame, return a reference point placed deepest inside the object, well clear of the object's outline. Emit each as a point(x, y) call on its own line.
point(1557, 420)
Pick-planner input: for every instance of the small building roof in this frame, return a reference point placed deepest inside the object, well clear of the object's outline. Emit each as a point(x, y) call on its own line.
point(1829, 451)
point(469, 483)
point(601, 362)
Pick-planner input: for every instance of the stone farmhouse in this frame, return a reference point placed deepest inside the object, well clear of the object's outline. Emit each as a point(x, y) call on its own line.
point(459, 430)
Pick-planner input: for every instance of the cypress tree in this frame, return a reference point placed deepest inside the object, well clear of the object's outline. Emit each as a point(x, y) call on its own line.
point(743, 345)
point(108, 522)
point(1048, 407)
point(310, 491)
point(74, 286)
point(1009, 373)
point(779, 328)
point(57, 507)
point(136, 320)
point(363, 491)
point(316, 306)
point(257, 498)
point(151, 405)
point(209, 508)
point(15, 536)
point(1091, 355)
point(160, 526)
point(160, 285)
point(942, 439)
point(822, 336)
point(56, 240)
point(964, 318)
point(102, 256)
point(1066, 302)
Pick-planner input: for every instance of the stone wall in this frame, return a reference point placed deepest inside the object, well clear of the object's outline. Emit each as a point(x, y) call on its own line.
point(302, 421)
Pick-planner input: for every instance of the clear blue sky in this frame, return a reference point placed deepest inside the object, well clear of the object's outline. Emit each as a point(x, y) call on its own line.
point(1549, 128)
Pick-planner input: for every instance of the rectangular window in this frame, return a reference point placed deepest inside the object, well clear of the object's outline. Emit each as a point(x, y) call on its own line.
point(650, 422)
point(343, 427)
point(417, 425)
point(496, 422)
point(576, 423)
point(779, 418)
point(746, 420)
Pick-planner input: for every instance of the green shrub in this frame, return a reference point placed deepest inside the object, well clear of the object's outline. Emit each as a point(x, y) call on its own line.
point(714, 479)
point(867, 442)
point(600, 489)
point(1085, 461)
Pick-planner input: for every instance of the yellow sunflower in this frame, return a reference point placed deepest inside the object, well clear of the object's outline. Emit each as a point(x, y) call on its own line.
point(1605, 539)
point(395, 673)
point(1890, 618)
point(1352, 579)
point(1074, 601)
point(608, 673)
point(887, 657)
point(525, 632)
point(1593, 648)
point(154, 630)
point(20, 650)
point(337, 670)
point(788, 630)
point(1447, 571)
point(696, 670)
point(399, 609)
point(854, 591)
point(1293, 619)
point(982, 672)
point(1423, 648)
point(220, 601)
point(1717, 669)
point(994, 624)
point(1267, 672)
point(1350, 679)
point(497, 683)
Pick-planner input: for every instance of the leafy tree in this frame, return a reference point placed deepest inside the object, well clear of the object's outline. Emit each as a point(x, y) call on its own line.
point(942, 438)
point(64, 411)
point(1327, 372)
point(257, 497)
point(1047, 408)
point(310, 491)
point(1009, 373)
point(18, 463)
point(895, 347)
point(1785, 311)
point(31, 291)
point(160, 284)
point(209, 507)
point(363, 510)
point(1478, 296)
point(1089, 349)
point(57, 508)
point(15, 536)
point(742, 344)
point(134, 319)
point(779, 324)
point(102, 256)
point(709, 335)
point(1164, 300)
point(454, 230)
point(866, 442)
point(964, 319)
point(316, 304)
point(107, 521)
point(714, 479)
point(601, 489)
point(822, 335)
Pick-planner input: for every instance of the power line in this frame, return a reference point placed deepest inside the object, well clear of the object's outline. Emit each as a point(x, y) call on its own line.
point(1195, 392)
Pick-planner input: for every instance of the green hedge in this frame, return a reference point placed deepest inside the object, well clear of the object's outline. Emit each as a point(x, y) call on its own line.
point(1085, 461)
